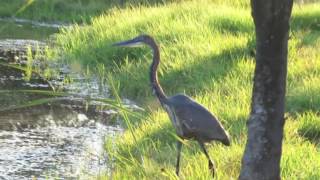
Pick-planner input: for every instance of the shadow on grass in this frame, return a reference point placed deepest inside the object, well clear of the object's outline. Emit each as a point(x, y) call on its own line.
point(232, 25)
point(303, 104)
point(193, 78)
point(309, 22)
point(304, 97)
point(309, 126)
point(306, 21)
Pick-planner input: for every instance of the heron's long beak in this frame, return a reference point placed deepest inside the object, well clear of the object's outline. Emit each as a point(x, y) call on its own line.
point(129, 43)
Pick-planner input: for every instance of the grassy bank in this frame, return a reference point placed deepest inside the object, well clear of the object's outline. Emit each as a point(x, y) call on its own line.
point(206, 52)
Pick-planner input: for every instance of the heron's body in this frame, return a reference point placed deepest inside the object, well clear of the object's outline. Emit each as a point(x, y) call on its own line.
point(190, 119)
point(193, 121)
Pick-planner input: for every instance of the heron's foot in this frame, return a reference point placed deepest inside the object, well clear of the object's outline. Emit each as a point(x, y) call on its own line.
point(212, 168)
point(177, 172)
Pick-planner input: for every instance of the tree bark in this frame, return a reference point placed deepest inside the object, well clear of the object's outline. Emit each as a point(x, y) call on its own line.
point(262, 154)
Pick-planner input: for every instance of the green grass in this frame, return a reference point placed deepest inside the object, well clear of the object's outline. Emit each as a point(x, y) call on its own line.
point(53, 10)
point(205, 50)
point(310, 126)
point(80, 11)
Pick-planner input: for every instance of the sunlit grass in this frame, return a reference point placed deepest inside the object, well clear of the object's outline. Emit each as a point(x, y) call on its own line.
point(206, 51)
point(54, 10)
point(81, 11)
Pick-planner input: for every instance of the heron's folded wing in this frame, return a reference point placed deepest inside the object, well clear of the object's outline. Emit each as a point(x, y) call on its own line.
point(197, 118)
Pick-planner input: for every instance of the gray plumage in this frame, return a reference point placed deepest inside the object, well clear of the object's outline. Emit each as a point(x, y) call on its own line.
point(190, 119)
point(196, 121)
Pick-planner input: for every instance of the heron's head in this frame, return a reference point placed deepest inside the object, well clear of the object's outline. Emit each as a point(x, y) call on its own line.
point(137, 41)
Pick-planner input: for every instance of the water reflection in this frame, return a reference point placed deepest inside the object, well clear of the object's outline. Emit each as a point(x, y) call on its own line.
point(58, 152)
point(22, 29)
point(56, 140)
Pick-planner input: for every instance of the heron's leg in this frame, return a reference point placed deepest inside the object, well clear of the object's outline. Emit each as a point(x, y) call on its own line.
point(179, 146)
point(211, 164)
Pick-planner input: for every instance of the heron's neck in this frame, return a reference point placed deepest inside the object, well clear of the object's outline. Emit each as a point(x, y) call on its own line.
point(153, 74)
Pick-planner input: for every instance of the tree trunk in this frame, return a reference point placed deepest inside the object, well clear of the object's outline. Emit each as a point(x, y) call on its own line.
point(262, 155)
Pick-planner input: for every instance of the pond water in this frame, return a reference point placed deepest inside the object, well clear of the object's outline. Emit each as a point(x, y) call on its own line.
point(23, 29)
point(57, 140)
point(58, 152)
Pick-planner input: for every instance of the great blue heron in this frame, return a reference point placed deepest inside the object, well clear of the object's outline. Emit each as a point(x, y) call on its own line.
point(190, 119)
